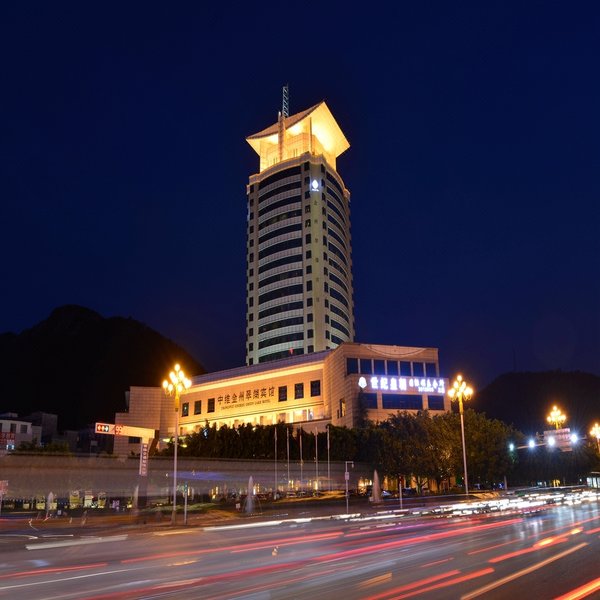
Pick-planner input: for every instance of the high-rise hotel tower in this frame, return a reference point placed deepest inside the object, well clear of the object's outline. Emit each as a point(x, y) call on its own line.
point(299, 267)
point(300, 309)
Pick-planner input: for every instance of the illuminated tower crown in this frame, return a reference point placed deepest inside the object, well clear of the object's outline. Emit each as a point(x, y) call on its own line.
point(299, 265)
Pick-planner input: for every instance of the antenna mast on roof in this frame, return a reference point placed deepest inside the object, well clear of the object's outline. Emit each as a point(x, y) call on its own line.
point(283, 115)
point(285, 105)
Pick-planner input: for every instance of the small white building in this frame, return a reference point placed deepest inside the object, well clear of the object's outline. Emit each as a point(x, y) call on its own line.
point(14, 431)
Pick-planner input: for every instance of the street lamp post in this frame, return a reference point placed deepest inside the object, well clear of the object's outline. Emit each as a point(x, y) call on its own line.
point(556, 417)
point(595, 431)
point(275, 490)
point(347, 477)
point(461, 391)
point(175, 386)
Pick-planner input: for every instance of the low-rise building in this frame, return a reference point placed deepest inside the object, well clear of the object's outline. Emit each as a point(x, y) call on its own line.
point(342, 387)
point(15, 431)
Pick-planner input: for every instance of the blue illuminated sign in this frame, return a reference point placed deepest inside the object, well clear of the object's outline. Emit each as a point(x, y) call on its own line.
point(431, 385)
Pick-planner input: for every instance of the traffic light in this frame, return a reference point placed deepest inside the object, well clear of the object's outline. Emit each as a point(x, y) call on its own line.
point(102, 428)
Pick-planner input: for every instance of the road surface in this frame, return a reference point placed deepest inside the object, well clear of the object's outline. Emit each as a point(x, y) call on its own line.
point(537, 550)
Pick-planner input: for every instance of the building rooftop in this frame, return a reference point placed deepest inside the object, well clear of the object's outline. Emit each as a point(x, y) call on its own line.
point(292, 361)
point(322, 125)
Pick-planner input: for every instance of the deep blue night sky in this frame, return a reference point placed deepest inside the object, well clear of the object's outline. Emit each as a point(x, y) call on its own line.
point(474, 167)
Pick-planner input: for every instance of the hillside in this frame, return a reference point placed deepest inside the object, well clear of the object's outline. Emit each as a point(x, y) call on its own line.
point(79, 365)
point(526, 399)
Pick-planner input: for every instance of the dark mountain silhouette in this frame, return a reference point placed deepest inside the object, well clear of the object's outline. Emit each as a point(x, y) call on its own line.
point(526, 399)
point(79, 365)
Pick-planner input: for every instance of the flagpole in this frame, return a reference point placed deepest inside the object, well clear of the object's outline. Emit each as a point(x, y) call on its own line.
point(317, 458)
point(301, 464)
point(328, 462)
point(287, 431)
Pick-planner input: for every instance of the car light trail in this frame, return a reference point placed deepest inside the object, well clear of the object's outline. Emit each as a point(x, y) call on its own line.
point(238, 548)
point(398, 593)
point(268, 587)
point(413, 585)
point(488, 548)
point(513, 576)
point(573, 525)
point(450, 533)
point(288, 542)
point(591, 531)
point(53, 570)
point(53, 581)
point(375, 581)
point(437, 562)
point(400, 527)
point(582, 592)
point(544, 543)
point(162, 555)
point(549, 541)
point(455, 581)
point(84, 542)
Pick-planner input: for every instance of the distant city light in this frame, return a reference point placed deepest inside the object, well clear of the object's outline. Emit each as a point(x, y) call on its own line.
point(532, 443)
point(511, 447)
